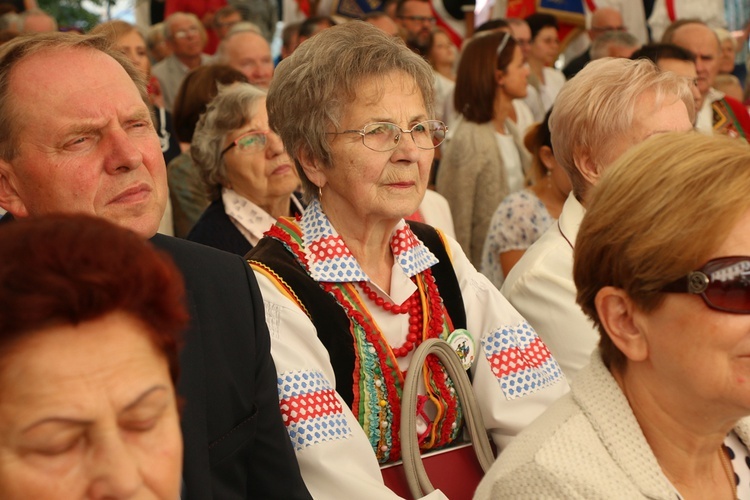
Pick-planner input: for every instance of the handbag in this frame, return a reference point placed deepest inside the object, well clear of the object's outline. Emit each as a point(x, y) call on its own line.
point(456, 470)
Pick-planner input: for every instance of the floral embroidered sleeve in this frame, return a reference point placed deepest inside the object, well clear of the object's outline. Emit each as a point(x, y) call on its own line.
point(334, 454)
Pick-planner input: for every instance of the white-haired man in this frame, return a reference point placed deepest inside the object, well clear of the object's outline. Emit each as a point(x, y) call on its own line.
point(245, 49)
point(611, 105)
point(718, 113)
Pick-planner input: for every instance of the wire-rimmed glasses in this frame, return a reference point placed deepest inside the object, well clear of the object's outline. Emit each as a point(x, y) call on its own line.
point(385, 136)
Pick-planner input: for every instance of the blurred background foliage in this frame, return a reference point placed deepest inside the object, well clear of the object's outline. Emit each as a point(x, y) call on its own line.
point(74, 13)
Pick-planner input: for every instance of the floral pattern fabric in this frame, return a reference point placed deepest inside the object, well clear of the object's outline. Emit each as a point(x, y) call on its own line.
point(518, 222)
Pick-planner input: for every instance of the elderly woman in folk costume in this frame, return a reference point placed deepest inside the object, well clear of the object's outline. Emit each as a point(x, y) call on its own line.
point(351, 289)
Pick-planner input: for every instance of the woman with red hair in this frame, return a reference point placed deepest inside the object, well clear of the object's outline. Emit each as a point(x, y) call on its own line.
point(90, 316)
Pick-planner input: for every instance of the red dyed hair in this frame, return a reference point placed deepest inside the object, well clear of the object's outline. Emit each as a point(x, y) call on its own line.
point(68, 269)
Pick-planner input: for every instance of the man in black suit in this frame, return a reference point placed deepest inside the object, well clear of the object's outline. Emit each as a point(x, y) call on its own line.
point(76, 135)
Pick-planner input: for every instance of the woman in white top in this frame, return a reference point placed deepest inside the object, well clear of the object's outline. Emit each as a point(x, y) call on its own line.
point(441, 54)
point(545, 48)
point(524, 215)
point(485, 160)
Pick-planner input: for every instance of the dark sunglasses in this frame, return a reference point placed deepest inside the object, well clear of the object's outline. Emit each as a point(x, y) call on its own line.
point(723, 283)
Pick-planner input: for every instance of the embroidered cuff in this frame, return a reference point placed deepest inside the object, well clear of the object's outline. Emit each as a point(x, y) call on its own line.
point(520, 361)
point(310, 409)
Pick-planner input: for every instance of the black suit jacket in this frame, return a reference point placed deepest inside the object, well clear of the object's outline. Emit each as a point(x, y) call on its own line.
point(236, 445)
point(577, 64)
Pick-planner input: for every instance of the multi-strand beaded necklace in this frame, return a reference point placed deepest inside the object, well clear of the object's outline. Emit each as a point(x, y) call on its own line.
point(378, 380)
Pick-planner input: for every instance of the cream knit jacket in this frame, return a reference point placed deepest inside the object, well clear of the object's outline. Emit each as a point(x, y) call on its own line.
point(588, 445)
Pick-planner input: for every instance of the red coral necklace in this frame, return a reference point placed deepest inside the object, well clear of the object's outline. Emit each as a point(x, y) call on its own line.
point(412, 306)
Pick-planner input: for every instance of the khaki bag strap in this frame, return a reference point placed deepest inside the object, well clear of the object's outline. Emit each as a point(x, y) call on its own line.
point(416, 475)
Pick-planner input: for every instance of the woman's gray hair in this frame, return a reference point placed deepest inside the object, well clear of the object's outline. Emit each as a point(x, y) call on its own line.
point(311, 89)
point(234, 106)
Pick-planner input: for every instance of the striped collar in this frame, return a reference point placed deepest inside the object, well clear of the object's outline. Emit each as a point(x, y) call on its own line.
point(329, 259)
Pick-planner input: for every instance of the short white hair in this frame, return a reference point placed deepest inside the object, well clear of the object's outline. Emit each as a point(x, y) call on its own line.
point(599, 105)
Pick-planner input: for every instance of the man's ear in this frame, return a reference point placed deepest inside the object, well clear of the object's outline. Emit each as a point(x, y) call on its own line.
point(313, 168)
point(618, 316)
point(10, 199)
point(588, 168)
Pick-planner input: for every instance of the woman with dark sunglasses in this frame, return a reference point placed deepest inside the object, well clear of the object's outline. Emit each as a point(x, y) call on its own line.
point(662, 267)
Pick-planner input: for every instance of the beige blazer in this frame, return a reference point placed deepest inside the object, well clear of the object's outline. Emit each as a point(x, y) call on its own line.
point(471, 176)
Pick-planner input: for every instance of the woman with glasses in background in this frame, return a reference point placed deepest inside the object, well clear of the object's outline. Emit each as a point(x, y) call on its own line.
point(485, 160)
point(662, 267)
point(351, 289)
point(249, 177)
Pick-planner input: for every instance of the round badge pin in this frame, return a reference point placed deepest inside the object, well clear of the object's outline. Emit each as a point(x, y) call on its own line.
point(463, 344)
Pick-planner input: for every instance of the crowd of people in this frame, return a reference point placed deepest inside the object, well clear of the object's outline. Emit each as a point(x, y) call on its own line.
point(216, 267)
